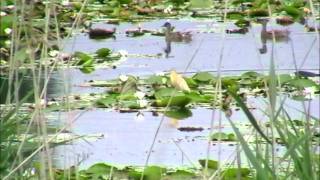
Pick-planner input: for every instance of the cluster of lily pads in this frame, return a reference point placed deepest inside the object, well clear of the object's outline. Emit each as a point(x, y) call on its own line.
point(108, 171)
point(156, 91)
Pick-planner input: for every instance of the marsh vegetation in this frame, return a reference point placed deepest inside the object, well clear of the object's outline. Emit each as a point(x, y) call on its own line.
point(159, 89)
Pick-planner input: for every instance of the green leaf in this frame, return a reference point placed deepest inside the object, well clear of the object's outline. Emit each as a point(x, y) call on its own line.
point(223, 136)
point(191, 82)
point(302, 83)
point(250, 74)
point(124, 1)
point(108, 101)
point(5, 22)
point(231, 173)
point(103, 52)
point(212, 164)
point(259, 12)
point(200, 4)
point(219, 136)
point(203, 77)
point(167, 92)
point(154, 172)
point(235, 15)
point(284, 78)
point(199, 98)
point(249, 115)
point(180, 113)
point(100, 169)
point(130, 104)
point(83, 59)
point(158, 80)
point(242, 23)
point(180, 175)
point(127, 96)
point(178, 101)
point(87, 69)
point(294, 12)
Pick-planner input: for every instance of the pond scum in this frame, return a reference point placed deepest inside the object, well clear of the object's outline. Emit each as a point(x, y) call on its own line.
point(32, 34)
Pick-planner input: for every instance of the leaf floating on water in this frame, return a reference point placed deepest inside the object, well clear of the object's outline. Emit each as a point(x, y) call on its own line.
point(211, 164)
point(203, 77)
point(232, 173)
point(180, 113)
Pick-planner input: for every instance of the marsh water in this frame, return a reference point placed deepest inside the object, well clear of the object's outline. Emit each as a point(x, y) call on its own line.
point(125, 138)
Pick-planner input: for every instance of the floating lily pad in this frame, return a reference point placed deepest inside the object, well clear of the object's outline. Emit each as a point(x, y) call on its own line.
point(203, 77)
point(223, 136)
point(167, 92)
point(212, 164)
point(232, 173)
point(180, 113)
point(150, 173)
point(100, 170)
point(103, 52)
point(199, 98)
point(178, 101)
point(180, 175)
point(158, 80)
point(302, 83)
point(108, 101)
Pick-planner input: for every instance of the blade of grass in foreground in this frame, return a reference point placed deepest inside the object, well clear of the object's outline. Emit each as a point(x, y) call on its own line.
point(261, 166)
point(248, 114)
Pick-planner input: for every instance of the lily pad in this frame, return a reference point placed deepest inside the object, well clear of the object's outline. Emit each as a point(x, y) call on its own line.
point(103, 52)
point(108, 101)
point(232, 173)
point(302, 83)
point(212, 164)
point(177, 101)
point(180, 113)
point(150, 173)
point(203, 77)
point(180, 175)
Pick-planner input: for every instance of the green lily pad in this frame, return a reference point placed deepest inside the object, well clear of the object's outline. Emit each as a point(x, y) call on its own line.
point(158, 80)
point(5, 22)
point(180, 175)
point(191, 82)
point(235, 15)
point(83, 59)
point(302, 83)
point(232, 173)
point(177, 101)
point(203, 77)
point(150, 173)
point(284, 78)
point(167, 92)
point(180, 113)
point(212, 164)
point(222, 136)
point(100, 169)
point(103, 52)
point(108, 101)
point(87, 69)
point(199, 98)
point(292, 11)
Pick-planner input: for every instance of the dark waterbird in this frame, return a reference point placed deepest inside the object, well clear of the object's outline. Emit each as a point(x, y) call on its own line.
point(101, 33)
point(306, 74)
point(176, 36)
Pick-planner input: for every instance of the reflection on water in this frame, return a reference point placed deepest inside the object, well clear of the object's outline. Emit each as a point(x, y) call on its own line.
point(127, 136)
point(269, 35)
